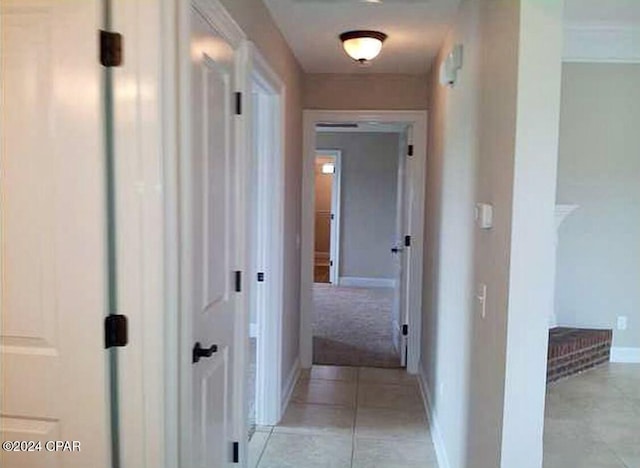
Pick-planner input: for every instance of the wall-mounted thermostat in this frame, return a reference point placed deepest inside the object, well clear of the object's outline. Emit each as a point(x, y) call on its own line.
point(484, 215)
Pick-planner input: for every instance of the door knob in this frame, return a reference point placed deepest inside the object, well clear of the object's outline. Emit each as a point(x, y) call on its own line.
point(200, 352)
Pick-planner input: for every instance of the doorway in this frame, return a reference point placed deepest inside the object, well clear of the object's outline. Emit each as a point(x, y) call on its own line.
point(266, 245)
point(359, 293)
point(327, 216)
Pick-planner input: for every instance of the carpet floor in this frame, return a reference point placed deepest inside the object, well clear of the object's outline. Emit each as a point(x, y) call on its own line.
point(352, 327)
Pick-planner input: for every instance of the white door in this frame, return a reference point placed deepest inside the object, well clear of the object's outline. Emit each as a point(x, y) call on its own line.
point(52, 298)
point(208, 219)
point(402, 251)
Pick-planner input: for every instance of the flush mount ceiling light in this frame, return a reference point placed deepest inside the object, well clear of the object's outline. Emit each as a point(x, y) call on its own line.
point(362, 46)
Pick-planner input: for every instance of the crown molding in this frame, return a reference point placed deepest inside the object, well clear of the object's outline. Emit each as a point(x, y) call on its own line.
point(602, 42)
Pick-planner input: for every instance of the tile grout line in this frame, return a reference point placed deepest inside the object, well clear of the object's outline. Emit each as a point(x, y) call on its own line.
point(355, 417)
point(264, 448)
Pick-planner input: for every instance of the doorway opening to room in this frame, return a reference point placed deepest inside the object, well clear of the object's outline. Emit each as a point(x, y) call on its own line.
point(594, 336)
point(327, 217)
point(266, 246)
point(361, 246)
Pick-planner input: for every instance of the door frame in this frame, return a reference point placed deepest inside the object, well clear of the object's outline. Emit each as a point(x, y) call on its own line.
point(269, 313)
point(334, 247)
point(417, 122)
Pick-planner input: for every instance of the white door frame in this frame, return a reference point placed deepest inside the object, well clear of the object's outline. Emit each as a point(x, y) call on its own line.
point(270, 190)
point(417, 122)
point(334, 247)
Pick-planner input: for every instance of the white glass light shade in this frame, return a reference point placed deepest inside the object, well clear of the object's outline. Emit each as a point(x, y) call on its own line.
point(328, 168)
point(362, 48)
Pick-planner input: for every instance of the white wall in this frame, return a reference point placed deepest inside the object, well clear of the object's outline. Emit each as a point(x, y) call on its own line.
point(369, 187)
point(598, 263)
point(448, 252)
point(492, 139)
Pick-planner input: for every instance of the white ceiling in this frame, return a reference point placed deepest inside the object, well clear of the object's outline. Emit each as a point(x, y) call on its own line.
point(608, 12)
point(415, 28)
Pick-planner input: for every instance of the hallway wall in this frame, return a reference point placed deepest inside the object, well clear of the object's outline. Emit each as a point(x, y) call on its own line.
point(359, 91)
point(257, 23)
point(492, 139)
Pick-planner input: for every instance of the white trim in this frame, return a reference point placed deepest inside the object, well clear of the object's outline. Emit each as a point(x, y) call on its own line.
point(361, 282)
point(627, 355)
point(253, 330)
point(334, 247)
point(601, 43)
point(416, 120)
point(289, 386)
point(434, 426)
point(269, 312)
point(222, 21)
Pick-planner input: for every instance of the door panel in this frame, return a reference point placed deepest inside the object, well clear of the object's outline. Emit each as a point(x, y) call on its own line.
point(399, 315)
point(52, 214)
point(211, 244)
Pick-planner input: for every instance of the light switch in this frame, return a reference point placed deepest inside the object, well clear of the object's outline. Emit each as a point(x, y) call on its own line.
point(481, 298)
point(484, 215)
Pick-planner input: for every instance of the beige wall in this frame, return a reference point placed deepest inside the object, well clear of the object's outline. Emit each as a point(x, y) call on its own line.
point(368, 192)
point(365, 91)
point(492, 139)
point(598, 262)
point(255, 20)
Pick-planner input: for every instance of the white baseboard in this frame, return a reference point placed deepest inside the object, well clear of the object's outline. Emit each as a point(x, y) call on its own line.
point(436, 434)
point(359, 282)
point(628, 355)
point(289, 385)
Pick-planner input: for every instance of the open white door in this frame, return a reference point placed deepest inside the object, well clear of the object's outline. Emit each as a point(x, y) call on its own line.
point(208, 221)
point(52, 356)
point(402, 252)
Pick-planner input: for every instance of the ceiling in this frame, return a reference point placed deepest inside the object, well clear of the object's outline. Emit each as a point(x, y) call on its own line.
point(605, 12)
point(415, 28)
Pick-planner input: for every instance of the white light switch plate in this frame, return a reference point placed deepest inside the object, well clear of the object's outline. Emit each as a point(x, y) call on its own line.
point(484, 215)
point(481, 297)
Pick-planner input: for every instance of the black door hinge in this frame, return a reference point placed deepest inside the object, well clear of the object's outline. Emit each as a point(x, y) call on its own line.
point(236, 452)
point(260, 277)
point(116, 332)
point(410, 150)
point(330, 262)
point(407, 241)
point(405, 329)
point(333, 216)
point(238, 103)
point(238, 275)
point(110, 49)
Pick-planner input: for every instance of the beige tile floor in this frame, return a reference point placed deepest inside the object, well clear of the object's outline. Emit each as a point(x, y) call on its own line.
point(348, 417)
point(593, 419)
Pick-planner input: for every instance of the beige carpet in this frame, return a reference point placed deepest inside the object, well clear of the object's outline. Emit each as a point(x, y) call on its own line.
point(352, 327)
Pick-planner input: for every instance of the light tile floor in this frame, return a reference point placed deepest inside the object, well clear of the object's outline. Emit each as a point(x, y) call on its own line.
point(593, 419)
point(347, 417)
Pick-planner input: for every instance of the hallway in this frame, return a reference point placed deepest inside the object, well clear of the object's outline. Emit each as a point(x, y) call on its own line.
point(342, 417)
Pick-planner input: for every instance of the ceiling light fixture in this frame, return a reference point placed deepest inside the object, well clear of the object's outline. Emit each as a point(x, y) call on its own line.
point(362, 46)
